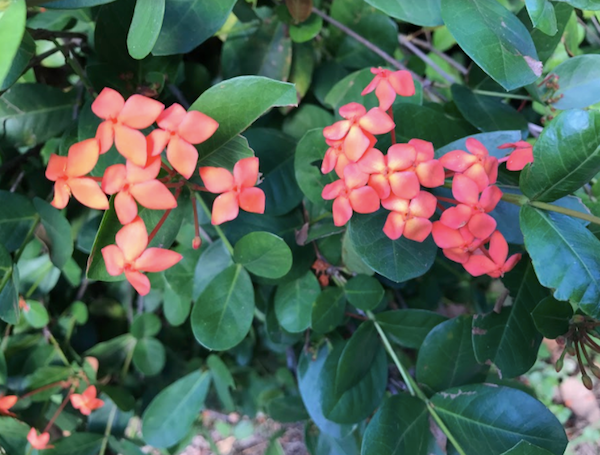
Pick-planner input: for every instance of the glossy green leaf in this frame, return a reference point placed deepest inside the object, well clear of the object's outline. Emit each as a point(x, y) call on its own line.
point(19, 63)
point(592, 5)
point(409, 327)
point(328, 310)
point(487, 113)
point(309, 155)
point(552, 317)
point(399, 260)
point(500, 416)
point(13, 14)
point(124, 446)
point(17, 215)
point(171, 414)
point(446, 358)
point(145, 325)
point(212, 262)
point(526, 448)
point(275, 333)
point(579, 82)
point(69, 4)
point(188, 23)
point(179, 287)
point(223, 313)
point(263, 254)
point(509, 339)
point(57, 231)
point(542, 15)
point(36, 315)
point(31, 114)
point(13, 435)
point(566, 156)
point(254, 95)
point(306, 117)
point(222, 380)
point(495, 39)
point(399, 427)
point(145, 27)
point(565, 255)
point(287, 409)
point(307, 30)
point(425, 13)
point(294, 300)
point(77, 444)
point(544, 43)
point(149, 356)
point(3, 371)
point(364, 292)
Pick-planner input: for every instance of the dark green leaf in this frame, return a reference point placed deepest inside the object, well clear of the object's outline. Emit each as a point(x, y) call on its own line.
point(399, 260)
point(426, 13)
point(275, 333)
point(77, 444)
point(579, 82)
point(328, 310)
point(542, 15)
point(13, 435)
point(551, 317)
point(170, 415)
point(24, 54)
point(69, 4)
point(409, 327)
point(31, 114)
point(566, 155)
point(592, 5)
point(526, 448)
point(124, 446)
point(12, 26)
point(119, 396)
point(294, 300)
point(565, 255)
point(495, 39)
point(145, 27)
point(149, 356)
point(179, 284)
point(36, 315)
point(3, 371)
point(309, 155)
point(545, 44)
point(9, 298)
point(287, 409)
point(263, 254)
point(307, 30)
point(223, 313)
point(222, 380)
point(500, 416)
point(57, 230)
point(188, 23)
point(364, 292)
point(213, 261)
point(446, 358)
point(145, 325)
point(306, 117)
point(400, 426)
point(254, 96)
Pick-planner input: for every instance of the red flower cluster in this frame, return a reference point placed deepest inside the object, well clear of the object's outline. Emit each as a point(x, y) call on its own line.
point(138, 182)
point(368, 179)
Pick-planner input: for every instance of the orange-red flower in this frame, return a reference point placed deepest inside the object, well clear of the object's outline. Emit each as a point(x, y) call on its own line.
point(457, 244)
point(38, 442)
point(521, 155)
point(492, 262)
point(358, 128)
point(350, 194)
point(478, 165)
point(334, 158)
point(387, 84)
point(132, 183)
point(7, 402)
point(237, 189)
point(409, 217)
point(122, 120)
point(179, 130)
point(130, 256)
point(68, 173)
point(87, 401)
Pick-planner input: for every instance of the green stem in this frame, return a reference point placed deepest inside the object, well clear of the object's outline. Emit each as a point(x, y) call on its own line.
point(127, 363)
point(566, 211)
point(217, 228)
point(37, 282)
point(60, 352)
point(109, 425)
point(503, 95)
point(74, 64)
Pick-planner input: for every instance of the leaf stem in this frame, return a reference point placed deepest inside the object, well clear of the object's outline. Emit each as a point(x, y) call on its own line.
point(503, 95)
point(60, 352)
point(74, 64)
point(425, 45)
point(217, 228)
point(565, 211)
point(404, 41)
point(127, 362)
point(109, 424)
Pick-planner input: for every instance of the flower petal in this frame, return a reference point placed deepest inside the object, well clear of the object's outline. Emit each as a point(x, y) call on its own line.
point(139, 281)
point(337, 131)
point(225, 208)
point(62, 194)
point(385, 94)
point(394, 226)
point(476, 147)
point(114, 178)
point(156, 142)
point(446, 237)
point(352, 111)
point(183, 156)
point(405, 184)
point(330, 160)
point(132, 239)
point(216, 179)
point(108, 104)
point(157, 260)
point(333, 190)
point(353, 177)
point(342, 211)
point(171, 117)
point(456, 217)
point(125, 207)
point(356, 143)
point(140, 112)
point(396, 204)
point(372, 85)
point(479, 175)
point(458, 160)
point(498, 248)
point(431, 173)
point(56, 167)
point(402, 82)
point(113, 259)
point(376, 121)
point(425, 151)
point(381, 185)
point(131, 144)
point(197, 127)
point(423, 205)
point(490, 197)
point(481, 225)
point(88, 192)
point(82, 157)
point(519, 159)
point(465, 190)
point(417, 229)
point(105, 134)
point(153, 195)
point(245, 172)
point(372, 162)
point(401, 157)
point(252, 200)
point(478, 265)
point(364, 200)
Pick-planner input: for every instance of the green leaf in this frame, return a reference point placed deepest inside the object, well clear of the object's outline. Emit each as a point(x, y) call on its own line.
point(425, 13)
point(306, 117)
point(566, 156)
point(213, 261)
point(145, 27)
point(409, 327)
point(222, 315)
point(307, 30)
point(500, 417)
point(31, 114)
point(552, 317)
point(294, 300)
point(509, 339)
point(399, 427)
point(124, 446)
point(17, 215)
point(446, 358)
point(491, 141)
point(254, 95)
point(171, 414)
point(13, 435)
point(9, 298)
point(565, 255)
point(328, 310)
point(287, 409)
point(222, 380)
point(364, 292)
point(77, 444)
point(178, 288)
point(188, 23)
point(19, 63)
point(310, 152)
point(58, 232)
point(3, 371)
point(592, 5)
point(542, 15)
point(495, 39)
point(399, 260)
point(149, 356)
point(145, 325)
point(13, 14)
point(37, 315)
point(263, 254)
point(579, 82)
point(526, 448)
point(70, 4)
point(487, 113)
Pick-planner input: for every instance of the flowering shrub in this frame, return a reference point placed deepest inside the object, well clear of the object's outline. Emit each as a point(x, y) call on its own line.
point(363, 216)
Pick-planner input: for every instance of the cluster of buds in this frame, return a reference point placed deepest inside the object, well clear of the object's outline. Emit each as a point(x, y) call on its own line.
point(137, 181)
point(399, 180)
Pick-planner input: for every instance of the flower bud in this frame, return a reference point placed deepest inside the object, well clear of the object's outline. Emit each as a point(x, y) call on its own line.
point(559, 365)
point(587, 381)
point(196, 242)
point(595, 371)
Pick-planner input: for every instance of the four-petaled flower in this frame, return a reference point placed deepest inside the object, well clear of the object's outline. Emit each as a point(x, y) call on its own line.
point(521, 155)
point(478, 165)
point(130, 255)
point(7, 402)
point(387, 84)
point(457, 244)
point(236, 190)
point(87, 401)
point(492, 262)
point(409, 218)
point(38, 442)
